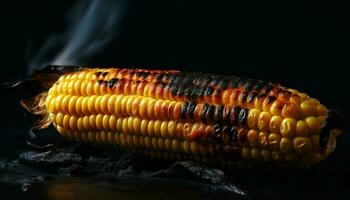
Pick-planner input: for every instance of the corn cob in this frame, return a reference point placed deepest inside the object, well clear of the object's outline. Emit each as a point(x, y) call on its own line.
point(180, 115)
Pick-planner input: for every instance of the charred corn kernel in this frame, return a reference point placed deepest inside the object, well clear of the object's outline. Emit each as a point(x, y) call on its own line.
point(286, 145)
point(288, 127)
point(307, 109)
point(291, 110)
point(275, 124)
point(314, 124)
point(253, 118)
point(302, 129)
point(302, 144)
point(274, 141)
point(264, 121)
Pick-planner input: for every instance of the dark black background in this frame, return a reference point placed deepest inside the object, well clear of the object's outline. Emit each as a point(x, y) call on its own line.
point(300, 45)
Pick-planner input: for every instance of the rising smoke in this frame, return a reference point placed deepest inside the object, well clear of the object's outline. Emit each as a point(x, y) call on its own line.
point(91, 25)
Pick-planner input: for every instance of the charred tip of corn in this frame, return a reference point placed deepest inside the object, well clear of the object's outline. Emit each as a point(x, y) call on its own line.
point(332, 128)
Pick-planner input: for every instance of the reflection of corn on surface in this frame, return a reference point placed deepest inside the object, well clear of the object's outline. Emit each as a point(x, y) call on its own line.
point(179, 115)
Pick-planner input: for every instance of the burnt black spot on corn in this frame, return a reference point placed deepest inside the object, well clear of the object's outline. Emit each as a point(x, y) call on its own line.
point(186, 115)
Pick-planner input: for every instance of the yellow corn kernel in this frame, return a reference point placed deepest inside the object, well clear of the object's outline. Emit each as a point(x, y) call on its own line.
point(112, 123)
point(168, 144)
point(253, 118)
point(286, 145)
point(314, 124)
point(291, 110)
point(171, 128)
point(302, 129)
point(263, 139)
point(80, 124)
point(164, 129)
point(246, 155)
point(148, 142)
point(157, 126)
point(59, 118)
point(186, 146)
point(78, 106)
point(129, 104)
point(302, 144)
point(155, 143)
point(253, 138)
point(314, 101)
point(276, 108)
point(137, 125)
point(144, 127)
point(71, 104)
point(275, 124)
point(161, 145)
point(150, 128)
point(277, 156)
point(321, 110)
point(120, 125)
point(110, 104)
point(307, 109)
point(288, 127)
point(73, 122)
point(175, 146)
point(266, 155)
point(143, 107)
point(255, 154)
point(194, 148)
point(274, 141)
point(96, 88)
point(104, 103)
point(98, 108)
point(105, 122)
point(264, 121)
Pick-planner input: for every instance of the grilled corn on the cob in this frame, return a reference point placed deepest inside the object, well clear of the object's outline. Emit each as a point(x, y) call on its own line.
point(180, 115)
